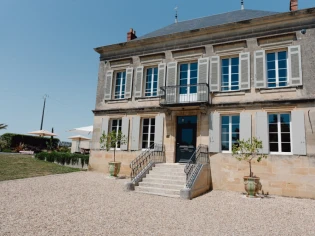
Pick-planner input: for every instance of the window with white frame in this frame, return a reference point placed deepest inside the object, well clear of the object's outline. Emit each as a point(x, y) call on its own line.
point(151, 82)
point(230, 132)
point(277, 69)
point(120, 85)
point(188, 74)
point(116, 126)
point(148, 131)
point(230, 74)
point(280, 133)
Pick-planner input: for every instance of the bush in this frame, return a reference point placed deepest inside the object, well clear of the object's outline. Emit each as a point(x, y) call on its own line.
point(32, 142)
point(63, 158)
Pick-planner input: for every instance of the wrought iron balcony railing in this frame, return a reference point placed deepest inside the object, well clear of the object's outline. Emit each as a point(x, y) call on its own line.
point(184, 94)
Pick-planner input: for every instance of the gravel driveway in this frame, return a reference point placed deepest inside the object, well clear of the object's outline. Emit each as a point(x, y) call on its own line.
point(87, 203)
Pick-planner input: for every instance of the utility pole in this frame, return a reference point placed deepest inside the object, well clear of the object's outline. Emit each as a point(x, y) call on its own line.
point(41, 124)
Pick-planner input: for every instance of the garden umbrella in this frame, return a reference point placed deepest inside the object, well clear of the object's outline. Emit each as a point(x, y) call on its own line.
point(83, 130)
point(42, 133)
point(78, 138)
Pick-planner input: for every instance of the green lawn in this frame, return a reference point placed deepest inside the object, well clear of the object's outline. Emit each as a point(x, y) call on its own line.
point(16, 166)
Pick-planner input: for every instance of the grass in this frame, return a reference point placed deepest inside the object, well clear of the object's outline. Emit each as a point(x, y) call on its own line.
point(17, 166)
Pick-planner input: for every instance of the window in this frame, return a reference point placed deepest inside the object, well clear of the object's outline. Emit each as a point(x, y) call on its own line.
point(188, 76)
point(277, 69)
point(230, 132)
point(230, 74)
point(279, 133)
point(116, 126)
point(151, 82)
point(148, 130)
point(120, 85)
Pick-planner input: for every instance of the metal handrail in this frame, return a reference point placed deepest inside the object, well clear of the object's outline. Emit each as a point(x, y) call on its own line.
point(198, 158)
point(155, 154)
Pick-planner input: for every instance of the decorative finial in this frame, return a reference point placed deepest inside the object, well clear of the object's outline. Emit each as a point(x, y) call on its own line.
point(176, 15)
point(242, 4)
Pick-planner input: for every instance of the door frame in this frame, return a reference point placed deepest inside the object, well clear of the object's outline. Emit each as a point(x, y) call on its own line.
point(176, 133)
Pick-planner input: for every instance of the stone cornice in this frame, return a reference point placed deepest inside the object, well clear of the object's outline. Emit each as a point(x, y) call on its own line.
point(270, 103)
point(269, 25)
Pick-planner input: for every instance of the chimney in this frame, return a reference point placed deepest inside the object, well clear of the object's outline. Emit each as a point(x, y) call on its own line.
point(293, 5)
point(131, 34)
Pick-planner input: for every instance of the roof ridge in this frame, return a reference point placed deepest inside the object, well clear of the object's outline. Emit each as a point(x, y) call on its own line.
point(221, 14)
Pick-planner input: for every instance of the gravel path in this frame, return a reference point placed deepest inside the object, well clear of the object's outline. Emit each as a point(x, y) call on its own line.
point(87, 203)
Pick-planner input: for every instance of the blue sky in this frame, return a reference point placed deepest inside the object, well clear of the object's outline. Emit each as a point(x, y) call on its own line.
point(46, 47)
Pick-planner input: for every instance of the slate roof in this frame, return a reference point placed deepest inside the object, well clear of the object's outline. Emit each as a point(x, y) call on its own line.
point(208, 21)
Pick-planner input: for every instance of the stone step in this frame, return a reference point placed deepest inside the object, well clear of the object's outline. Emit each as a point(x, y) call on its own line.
point(170, 166)
point(168, 172)
point(169, 177)
point(164, 181)
point(160, 185)
point(158, 190)
point(159, 194)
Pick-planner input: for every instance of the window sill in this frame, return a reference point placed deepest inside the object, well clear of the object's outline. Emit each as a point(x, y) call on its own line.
point(277, 90)
point(226, 152)
point(229, 93)
point(118, 101)
point(145, 99)
point(281, 153)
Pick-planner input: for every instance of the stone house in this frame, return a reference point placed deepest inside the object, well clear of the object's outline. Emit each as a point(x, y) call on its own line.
point(209, 82)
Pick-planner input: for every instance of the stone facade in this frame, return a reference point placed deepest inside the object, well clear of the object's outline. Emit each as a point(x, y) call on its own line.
point(287, 175)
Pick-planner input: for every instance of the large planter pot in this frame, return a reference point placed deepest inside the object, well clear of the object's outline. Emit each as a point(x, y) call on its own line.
point(252, 185)
point(114, 168)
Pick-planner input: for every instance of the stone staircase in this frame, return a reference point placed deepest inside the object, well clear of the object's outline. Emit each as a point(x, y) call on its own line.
point(165, 179)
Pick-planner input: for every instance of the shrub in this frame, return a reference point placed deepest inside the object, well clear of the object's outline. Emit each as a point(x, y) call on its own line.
point(63, 158)
point(3, 144)
point(14, 140)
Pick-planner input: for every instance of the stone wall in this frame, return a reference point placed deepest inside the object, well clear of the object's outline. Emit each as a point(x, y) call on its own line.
point(292, 176)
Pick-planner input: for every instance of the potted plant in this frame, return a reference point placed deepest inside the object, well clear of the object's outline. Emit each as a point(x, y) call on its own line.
point(110, 141)
point(248, 151)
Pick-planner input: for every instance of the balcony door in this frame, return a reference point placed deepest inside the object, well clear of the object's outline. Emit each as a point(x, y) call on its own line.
point(188, 73)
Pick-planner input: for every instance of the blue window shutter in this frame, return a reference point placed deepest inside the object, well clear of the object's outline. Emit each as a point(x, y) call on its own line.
point(139, 81)
point(214, 132)
point(108, 85)
point(244, 71)
point(135, 133)
point(129, 78)
point(295, 65)
point(260, 69)
point(159, 129)
point(262, 130)
point(245, 126)
point(298, 133)
point(125, 132)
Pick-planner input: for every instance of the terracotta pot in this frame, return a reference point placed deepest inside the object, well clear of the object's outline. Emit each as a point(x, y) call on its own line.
point(114, 168)
point(252, 185)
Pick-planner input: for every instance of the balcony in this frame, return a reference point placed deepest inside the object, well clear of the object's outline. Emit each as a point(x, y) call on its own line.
point(181, 95)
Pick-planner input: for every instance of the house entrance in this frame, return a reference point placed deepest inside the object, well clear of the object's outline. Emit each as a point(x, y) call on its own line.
point(186, 138)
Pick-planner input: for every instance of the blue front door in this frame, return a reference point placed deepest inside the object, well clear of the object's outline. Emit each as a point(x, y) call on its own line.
point(186, 138)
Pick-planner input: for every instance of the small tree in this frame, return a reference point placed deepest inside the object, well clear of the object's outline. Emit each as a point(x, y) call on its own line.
point(247, 151)
point(112, 139)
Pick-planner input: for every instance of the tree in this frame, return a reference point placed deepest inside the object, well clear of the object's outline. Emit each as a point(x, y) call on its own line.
point(112, 139)
point(3, 126)
point(247, 151)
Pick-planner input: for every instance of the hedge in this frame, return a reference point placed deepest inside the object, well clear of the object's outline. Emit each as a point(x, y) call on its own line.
point(63, 158)
point(32, 142)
